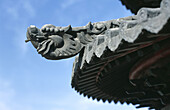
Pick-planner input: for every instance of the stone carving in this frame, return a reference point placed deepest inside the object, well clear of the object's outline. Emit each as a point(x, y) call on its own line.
point(62, 42)
point(92, 40)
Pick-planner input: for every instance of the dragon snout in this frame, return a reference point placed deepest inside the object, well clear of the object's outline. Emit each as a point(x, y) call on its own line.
point(33, 34)
point(32, 31)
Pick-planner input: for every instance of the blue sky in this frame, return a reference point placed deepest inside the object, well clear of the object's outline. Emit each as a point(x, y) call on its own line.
point(30, 82)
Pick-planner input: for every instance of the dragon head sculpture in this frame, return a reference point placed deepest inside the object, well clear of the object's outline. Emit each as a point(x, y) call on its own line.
point(56, 43)
point(53, 42)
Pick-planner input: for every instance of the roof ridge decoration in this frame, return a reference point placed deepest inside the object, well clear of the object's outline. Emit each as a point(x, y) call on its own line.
point(63, 42)
point(91, 41)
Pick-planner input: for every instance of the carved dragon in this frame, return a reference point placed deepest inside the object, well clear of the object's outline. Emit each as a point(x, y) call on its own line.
point(63, 42)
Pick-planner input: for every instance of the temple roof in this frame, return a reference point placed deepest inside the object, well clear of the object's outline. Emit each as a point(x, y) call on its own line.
point(118, 60)
point(101, 71)
point(135, 5)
